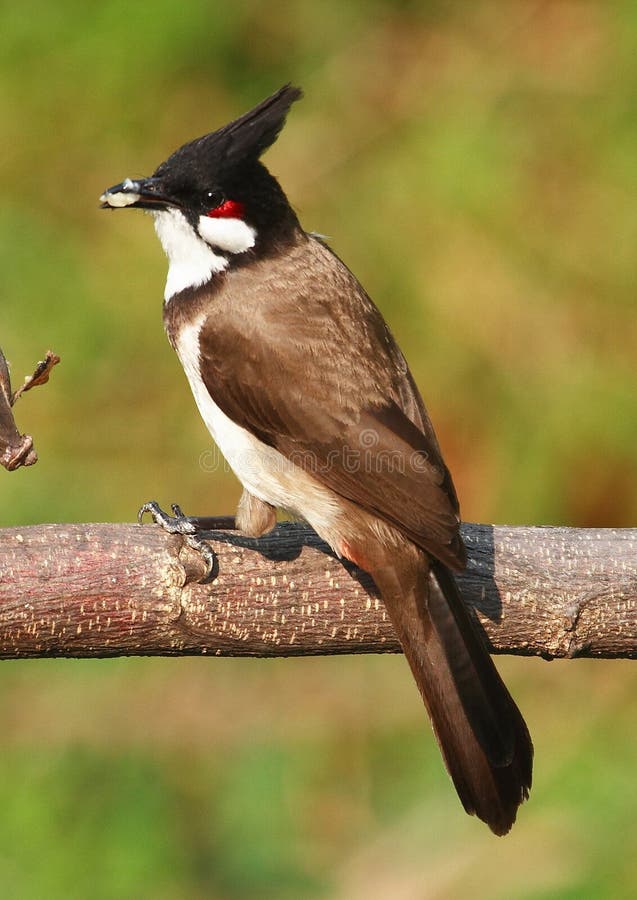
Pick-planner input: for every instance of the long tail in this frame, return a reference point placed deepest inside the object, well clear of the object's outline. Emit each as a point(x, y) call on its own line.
point(482, 735)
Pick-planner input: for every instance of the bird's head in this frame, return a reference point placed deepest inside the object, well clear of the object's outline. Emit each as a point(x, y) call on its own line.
point(213, 201)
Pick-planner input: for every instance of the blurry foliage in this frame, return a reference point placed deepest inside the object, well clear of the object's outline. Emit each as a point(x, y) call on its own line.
point(474, 164)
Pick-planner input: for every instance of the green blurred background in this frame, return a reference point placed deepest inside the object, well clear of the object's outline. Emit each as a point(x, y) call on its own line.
point(475, 165)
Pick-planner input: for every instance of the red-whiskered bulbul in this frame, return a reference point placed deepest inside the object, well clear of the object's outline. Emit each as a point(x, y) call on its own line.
point(309, 398)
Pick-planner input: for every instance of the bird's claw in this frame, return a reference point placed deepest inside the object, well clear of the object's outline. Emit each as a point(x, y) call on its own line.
point(178, 523)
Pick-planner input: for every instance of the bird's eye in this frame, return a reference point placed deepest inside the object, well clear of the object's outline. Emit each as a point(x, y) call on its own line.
point(214, 199)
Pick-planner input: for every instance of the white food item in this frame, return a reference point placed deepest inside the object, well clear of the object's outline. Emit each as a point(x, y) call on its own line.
point(119, 199)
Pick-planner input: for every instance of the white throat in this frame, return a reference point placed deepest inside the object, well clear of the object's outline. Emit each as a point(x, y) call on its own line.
point(192, 260)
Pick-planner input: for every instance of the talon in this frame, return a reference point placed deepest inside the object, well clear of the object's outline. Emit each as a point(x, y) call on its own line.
point(177, 524)
point(205, 552)
point(151, 507)
point(180, 524)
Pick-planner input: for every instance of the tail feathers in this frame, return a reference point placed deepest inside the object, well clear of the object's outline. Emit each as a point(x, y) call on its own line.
point(482, 735)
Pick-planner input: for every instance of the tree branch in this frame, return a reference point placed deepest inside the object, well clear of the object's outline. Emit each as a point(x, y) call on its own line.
point(115, 590)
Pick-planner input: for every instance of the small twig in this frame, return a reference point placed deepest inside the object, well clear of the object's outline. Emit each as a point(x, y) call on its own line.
point(17, 449)
point(40, 375)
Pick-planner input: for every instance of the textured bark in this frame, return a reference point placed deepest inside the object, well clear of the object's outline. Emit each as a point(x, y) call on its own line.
point(114, 590)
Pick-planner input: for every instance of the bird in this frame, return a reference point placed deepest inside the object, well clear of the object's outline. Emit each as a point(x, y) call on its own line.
point(309, 398)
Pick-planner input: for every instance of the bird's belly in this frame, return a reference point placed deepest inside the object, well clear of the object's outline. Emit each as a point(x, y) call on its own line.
point(261, 469)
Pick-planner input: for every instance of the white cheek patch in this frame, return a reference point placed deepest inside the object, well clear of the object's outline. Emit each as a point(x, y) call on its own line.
point(191, 262)
point(231, 235)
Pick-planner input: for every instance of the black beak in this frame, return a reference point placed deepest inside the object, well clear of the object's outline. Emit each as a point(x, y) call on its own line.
point(138, 193)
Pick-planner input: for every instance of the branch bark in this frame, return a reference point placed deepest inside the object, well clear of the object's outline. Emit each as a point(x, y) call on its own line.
point(116, 590)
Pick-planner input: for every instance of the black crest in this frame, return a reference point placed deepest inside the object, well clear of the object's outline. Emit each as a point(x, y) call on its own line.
point(239, 142)
point(251, 134)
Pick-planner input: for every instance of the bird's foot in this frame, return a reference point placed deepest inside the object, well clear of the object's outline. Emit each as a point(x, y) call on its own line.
point(181, 524)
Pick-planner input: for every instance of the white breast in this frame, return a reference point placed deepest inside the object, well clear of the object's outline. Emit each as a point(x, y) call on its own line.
point(261, 469)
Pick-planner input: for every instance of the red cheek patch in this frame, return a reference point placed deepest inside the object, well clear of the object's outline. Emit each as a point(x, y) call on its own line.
point(231, 209)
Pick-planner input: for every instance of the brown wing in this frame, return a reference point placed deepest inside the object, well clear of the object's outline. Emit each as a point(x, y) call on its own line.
point(324, 382)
